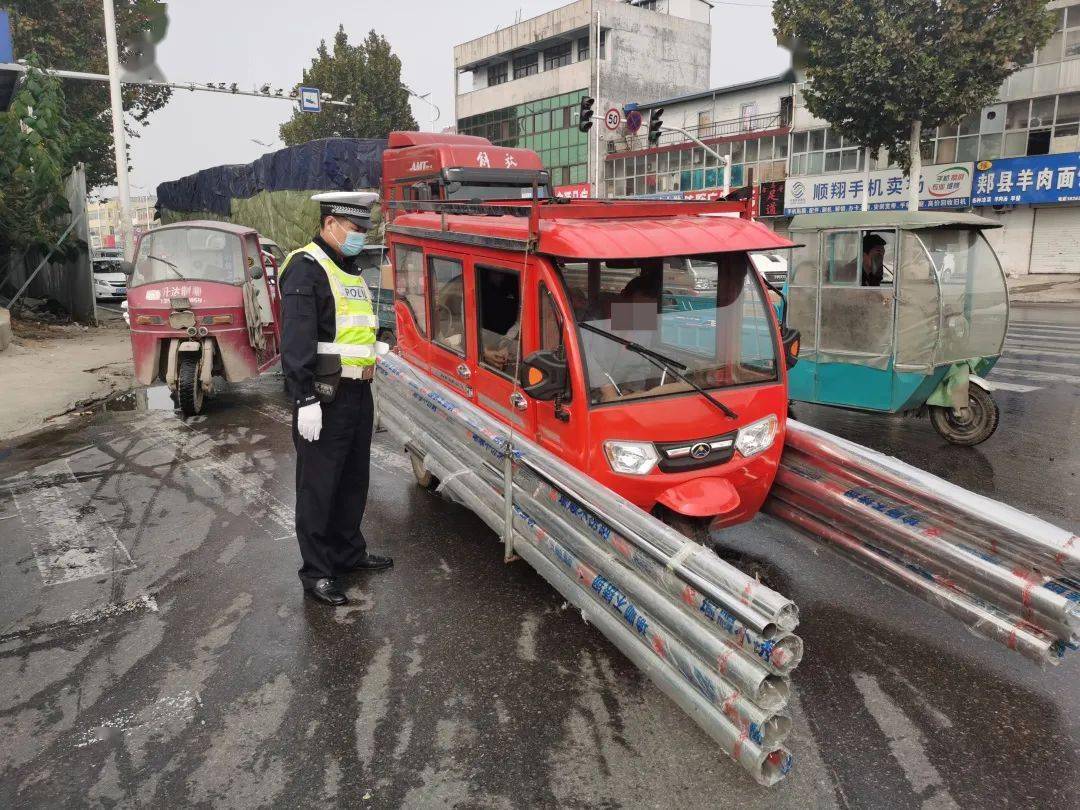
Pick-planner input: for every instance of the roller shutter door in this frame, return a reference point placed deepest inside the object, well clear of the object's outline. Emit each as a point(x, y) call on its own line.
point(1055, 240)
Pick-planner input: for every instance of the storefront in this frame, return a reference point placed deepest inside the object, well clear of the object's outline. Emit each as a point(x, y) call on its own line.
point(1037, 201)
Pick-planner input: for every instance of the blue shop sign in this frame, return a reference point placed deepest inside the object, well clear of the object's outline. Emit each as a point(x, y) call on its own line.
point(1036, 179)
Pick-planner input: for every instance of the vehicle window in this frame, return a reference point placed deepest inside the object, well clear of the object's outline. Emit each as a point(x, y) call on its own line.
point(498, 298)
point(409, 281)
point(447, 284)
point(842, 259)
point(974, 312)
point(723, 334)
point(551, 336)
point(174, 254)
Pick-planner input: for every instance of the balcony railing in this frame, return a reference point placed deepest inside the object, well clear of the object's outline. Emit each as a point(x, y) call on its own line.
point(717, 129)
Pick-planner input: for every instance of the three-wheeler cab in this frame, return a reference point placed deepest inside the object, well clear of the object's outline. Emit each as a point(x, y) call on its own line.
point(200, 307)
point(900, 312)
point(569, 322)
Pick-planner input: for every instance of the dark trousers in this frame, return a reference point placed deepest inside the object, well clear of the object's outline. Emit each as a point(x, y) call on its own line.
point(332, 484)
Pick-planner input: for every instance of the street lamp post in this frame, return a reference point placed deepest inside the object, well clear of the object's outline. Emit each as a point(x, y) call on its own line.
point(119, 135)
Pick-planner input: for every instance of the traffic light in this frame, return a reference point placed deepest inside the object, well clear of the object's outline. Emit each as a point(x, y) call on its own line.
point(656, 125)
point(585, 113)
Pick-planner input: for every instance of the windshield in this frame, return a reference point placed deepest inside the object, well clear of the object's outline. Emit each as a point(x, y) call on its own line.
point(494, 191)
point(189, 253)
point(974, 304)
point(721, 334)
point(107, 266)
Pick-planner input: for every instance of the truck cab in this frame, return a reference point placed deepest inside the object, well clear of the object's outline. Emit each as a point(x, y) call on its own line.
point(571, 323)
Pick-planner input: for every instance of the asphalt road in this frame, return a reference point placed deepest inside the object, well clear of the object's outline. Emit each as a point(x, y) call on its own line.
point(173, 661)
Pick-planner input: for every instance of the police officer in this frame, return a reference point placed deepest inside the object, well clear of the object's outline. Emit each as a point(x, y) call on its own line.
point(328, 352)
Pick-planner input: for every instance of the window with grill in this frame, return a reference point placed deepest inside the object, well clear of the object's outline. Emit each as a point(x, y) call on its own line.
point(525, 66)
point(496, 74)
point(583, 49)
point(558, 55)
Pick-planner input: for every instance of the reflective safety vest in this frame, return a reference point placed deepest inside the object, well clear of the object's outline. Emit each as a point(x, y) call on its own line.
point(355, 320)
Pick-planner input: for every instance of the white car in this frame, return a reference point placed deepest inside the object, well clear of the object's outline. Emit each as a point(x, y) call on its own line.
point(110, 283)
point(772, 266)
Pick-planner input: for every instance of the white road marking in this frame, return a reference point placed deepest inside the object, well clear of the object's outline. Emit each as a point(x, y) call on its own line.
point(69, 538)
point(1043, 344)
point(1020, 389)
point(1042, 326)
point(906, 743)
point(395, 462)
point(231, 472)
point(1033, 376)
point(1009, 351)
point(1025, 363)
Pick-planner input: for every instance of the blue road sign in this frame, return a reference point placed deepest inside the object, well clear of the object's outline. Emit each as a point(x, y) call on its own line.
point(310, 99)
point(7, 54)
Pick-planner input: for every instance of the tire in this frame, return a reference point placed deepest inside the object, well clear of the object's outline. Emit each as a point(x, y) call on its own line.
point(978, 426)
point(189, 390)
point(424, 478)
point(697, 529)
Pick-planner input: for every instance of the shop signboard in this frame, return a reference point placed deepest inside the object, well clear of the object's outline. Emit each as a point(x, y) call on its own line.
point(1036, 179)
point(943, 186)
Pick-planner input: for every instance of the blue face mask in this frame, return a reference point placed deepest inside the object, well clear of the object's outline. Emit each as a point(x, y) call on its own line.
point(353, 244)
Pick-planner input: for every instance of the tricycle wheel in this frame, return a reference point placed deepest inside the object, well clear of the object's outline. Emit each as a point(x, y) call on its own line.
point(189, 389)
point(424, 478)
point(973, 425)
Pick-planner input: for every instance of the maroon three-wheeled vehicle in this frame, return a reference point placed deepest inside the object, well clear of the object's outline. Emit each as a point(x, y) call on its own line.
point(200, 307)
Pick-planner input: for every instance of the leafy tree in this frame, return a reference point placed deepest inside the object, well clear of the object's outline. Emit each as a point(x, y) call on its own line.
point(34, 158)
point(371, 74)
point(886, 72)
point(70, 35)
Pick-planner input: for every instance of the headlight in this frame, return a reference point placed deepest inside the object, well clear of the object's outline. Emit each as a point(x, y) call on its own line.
point(633, 458)
point(757, 437)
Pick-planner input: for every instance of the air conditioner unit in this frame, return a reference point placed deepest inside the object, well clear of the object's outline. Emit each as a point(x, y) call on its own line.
point(1036, 122)
point(1004, 209)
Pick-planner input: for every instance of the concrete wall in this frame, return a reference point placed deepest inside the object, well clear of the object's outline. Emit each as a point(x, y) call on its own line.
point(1012, 241)
point(541, 85)
point(523, 35)
point(69, 282)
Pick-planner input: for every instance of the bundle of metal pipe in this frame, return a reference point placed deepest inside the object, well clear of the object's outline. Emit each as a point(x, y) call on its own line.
point(1008, 575)
point(714, 640)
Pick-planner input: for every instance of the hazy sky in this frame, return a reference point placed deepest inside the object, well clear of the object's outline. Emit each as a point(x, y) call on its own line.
point(252, 42)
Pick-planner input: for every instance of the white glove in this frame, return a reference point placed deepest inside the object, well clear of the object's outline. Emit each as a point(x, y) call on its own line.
point(309, 421)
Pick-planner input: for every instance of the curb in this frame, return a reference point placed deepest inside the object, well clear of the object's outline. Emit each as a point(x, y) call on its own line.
point(5, 329)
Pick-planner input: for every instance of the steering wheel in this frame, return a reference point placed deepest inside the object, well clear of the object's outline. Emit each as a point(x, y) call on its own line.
point(448, 323)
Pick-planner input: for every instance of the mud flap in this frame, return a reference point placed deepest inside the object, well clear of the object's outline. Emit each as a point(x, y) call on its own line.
point(952, 391)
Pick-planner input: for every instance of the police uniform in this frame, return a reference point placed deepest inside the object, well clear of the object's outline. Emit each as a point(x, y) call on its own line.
point(328, 352)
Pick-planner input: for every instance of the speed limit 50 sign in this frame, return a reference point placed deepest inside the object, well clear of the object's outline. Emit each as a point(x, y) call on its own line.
point(613, 119)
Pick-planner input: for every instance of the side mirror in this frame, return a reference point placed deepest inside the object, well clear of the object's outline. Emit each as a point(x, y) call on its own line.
point(791, 340)
point(127, 268)
point(544, 375)
point(257, 272)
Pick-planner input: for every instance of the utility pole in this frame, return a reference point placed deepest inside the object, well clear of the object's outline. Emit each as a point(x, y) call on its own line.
point(119, 135)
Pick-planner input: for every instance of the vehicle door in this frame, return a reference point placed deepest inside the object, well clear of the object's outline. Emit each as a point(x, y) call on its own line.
point(857, 322)
point(450, 290)
point(561, 425)
point(258, 309)
point(501, 296)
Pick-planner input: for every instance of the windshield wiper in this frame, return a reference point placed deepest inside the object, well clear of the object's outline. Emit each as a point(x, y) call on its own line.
point(171, 266)
point(662, 362)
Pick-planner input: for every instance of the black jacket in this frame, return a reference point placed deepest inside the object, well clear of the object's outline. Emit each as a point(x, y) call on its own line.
point(307, 318)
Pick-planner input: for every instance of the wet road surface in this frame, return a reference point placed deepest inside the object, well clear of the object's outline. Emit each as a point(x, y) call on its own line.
point(171, 659)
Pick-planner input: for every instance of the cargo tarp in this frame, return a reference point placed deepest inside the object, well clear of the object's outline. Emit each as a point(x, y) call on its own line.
point(272, 194)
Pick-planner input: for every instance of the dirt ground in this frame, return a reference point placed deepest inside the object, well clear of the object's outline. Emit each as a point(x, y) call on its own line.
point(51, 372)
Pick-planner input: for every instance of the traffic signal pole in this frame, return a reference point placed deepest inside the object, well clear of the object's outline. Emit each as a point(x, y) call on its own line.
point(725, 162)
point(119, 134)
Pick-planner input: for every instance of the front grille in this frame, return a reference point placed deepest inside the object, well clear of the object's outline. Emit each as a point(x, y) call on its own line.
point(678, 456)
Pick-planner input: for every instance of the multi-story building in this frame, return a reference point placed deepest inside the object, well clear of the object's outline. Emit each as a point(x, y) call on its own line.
point(747, 124)
point(104, 220)
point(1021, 153)
point(521, 86)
